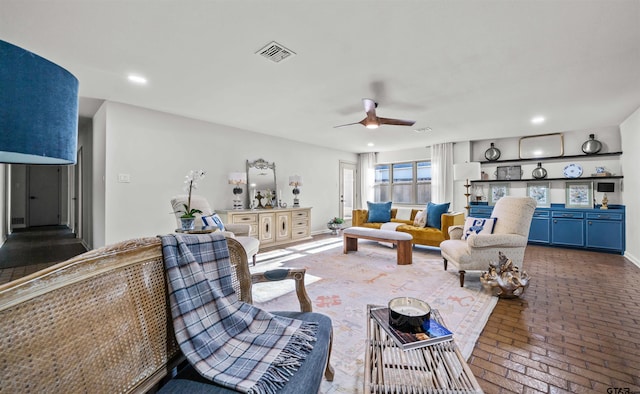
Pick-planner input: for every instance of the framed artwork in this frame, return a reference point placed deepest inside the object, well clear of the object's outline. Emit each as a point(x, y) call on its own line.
point(497, 191)
point(579, 195)
point(539, 191)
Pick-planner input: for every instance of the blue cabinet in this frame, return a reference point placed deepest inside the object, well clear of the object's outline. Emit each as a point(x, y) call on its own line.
point(540, 232)
point(596, 229)
point(605, 230)
point(567, 228)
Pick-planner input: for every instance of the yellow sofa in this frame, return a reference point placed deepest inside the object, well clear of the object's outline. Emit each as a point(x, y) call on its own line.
point(428, 236)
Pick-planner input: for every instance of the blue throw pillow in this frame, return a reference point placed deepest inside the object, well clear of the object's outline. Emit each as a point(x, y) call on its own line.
point(379, 212)
point(434, 214)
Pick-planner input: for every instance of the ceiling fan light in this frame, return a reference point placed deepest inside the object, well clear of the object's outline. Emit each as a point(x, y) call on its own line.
point(372, 126)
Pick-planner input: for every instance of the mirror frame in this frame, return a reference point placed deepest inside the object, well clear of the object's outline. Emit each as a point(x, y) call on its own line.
point(260, 164)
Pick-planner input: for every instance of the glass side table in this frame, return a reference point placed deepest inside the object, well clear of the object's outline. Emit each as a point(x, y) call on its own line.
point(199, 230)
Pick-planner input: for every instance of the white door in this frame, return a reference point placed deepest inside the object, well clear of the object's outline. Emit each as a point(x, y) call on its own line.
point(347, 190)
point(44, 195)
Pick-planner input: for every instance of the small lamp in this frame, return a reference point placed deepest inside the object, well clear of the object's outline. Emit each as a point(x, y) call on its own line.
point(605, 187)
point(237, 179)
point(295, 181)
point(466, 171)
point(39, 110)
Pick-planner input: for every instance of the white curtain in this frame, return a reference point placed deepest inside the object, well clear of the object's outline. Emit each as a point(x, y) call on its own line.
point(366, 169)
point(442, 173)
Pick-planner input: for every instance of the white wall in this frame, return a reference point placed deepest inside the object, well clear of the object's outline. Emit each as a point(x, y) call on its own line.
point(98, 169)
point(630, 132)
point(157, 150)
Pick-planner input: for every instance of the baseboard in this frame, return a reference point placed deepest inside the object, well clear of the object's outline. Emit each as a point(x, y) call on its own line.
point(632, 258)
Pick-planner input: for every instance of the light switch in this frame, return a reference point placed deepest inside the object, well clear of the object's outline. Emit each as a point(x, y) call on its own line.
point(124, 178)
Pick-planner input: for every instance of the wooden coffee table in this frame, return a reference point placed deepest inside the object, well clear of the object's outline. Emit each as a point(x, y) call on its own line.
point(436, 368)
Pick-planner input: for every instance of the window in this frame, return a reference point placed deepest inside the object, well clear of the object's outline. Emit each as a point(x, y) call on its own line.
point(403, 183)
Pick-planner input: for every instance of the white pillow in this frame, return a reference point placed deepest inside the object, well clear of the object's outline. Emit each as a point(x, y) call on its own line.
point(403, 213)
point(213, 220)
point(421, 219)
point(478, 226)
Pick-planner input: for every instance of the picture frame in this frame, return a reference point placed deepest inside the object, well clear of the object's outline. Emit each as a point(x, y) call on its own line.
point(539, 191)
point(540, 146)
point(509, 173)
point(497, 191)
point(579, 195)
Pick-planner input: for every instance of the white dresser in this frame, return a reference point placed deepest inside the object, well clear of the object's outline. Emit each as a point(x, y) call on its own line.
point(273, 226)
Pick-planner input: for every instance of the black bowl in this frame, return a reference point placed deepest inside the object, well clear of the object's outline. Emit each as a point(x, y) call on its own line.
point(408, 314)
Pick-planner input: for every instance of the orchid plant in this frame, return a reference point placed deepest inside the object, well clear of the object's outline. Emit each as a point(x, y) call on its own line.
point(190, 183)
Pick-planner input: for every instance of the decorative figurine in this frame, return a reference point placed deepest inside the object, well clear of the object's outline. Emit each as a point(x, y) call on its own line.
point(503, 279)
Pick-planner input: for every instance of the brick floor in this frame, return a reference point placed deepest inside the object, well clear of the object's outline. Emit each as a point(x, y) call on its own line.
point(575, 330)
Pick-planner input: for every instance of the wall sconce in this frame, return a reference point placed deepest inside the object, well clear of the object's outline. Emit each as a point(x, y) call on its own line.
point(237, 179)
point(39, 110)
point(466, 171)
point(295, 181)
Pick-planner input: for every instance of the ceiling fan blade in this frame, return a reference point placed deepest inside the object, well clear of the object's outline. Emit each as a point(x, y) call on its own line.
point(351, 124)
point(369, 106)
point(396, 122)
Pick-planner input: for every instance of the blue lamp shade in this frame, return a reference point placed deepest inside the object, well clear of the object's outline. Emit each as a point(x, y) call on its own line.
point(38, 109)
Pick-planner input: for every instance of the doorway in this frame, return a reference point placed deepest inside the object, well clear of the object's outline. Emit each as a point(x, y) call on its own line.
point(43, 195)
point(347, 190)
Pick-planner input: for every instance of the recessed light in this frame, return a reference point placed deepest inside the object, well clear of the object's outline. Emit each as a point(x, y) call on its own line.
point(370, 144)
point(137, 79)
point(537, 120)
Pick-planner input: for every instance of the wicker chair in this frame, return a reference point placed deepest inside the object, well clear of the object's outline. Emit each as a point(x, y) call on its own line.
point(100, 322)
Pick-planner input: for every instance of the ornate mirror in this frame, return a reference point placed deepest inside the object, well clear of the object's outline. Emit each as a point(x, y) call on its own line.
point(261, 181)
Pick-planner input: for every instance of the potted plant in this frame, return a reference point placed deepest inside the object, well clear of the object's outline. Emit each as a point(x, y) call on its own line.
point(188, 216)
point(335, 224)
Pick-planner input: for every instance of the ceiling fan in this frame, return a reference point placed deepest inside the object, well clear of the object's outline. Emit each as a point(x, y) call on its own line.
point(372, 121)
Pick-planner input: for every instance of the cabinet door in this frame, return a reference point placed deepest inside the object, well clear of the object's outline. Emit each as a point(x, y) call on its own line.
point(568, 232)
point(267, 233)
point(480, 211)
point(605, 234)
point(283, 228)
point(539, 230)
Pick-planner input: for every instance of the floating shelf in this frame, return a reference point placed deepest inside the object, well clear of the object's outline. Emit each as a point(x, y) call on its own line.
point(583, 178)
point(541, 159)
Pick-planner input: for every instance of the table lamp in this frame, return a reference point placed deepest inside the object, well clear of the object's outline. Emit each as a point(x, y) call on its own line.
point(464, 172)
point(605, 187)
point(237, 179)
point(295, 181)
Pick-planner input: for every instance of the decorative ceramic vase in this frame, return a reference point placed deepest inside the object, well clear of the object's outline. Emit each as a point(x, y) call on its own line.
point(492, 154)
point(591, 146)
point(539, 172)
point(187, 224)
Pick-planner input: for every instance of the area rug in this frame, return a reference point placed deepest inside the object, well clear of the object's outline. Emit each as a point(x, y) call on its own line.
point(341, 286)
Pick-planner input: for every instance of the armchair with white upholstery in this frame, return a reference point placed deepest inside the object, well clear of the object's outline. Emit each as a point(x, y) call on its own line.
point(237, 231)
point(510, 236)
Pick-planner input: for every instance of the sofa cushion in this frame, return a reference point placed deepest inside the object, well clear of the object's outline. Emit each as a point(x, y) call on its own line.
point(213, 220)
point(434, 214)
point(379, 212)
point(421, 219)
point(478, 226)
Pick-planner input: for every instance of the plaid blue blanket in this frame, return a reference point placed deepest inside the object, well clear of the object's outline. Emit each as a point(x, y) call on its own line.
point(228, 341)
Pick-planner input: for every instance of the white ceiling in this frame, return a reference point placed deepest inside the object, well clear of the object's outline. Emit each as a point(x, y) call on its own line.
point(467, 69)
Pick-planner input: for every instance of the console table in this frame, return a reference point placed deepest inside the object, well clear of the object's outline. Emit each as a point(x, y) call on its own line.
point(430, 369)
point(273, 226)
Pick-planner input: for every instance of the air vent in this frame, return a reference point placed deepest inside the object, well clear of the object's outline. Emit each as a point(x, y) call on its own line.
point(275, 52)
point(17, 220)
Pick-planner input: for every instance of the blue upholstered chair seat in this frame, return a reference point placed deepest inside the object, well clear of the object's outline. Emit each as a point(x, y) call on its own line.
point(306, 380)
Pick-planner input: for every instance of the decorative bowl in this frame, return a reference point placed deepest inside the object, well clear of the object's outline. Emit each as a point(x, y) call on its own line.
point(408, 314)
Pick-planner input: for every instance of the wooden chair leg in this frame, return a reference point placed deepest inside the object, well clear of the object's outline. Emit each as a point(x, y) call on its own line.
point(254, 260)
point(461, 272)
point(445, 263)
point(328, 371)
